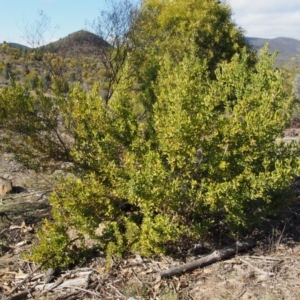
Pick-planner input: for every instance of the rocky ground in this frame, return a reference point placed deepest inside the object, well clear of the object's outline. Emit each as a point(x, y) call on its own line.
point(268, 270)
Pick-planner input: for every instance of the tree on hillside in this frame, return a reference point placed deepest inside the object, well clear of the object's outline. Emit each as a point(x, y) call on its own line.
point(7, 70)
point(37, 34)
point(205, 153)
point(114, 25)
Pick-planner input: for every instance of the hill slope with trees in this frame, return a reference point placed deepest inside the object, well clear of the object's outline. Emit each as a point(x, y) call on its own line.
point(87, 43)
point(287, 47)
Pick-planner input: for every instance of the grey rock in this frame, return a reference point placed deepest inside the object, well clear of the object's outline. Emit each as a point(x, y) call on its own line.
point(50, 275)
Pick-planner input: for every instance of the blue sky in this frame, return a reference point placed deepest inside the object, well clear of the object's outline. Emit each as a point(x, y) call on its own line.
point(69, 15)
point(260, 18)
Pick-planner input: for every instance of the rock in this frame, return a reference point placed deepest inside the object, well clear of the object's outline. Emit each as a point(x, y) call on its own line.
point(50, 275)
point(5, 186)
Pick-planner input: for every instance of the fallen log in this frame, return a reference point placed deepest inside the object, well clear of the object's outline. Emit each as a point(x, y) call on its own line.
point(209, 259)
point(77, 282)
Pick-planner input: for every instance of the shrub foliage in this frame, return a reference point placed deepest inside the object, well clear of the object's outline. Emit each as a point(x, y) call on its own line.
point(209, 146)
point(146, 173)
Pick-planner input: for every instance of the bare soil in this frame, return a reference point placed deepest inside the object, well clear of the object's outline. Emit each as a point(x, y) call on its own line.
point(270, 270)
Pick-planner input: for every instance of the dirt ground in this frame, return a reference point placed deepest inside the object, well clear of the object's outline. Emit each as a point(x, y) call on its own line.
point(270, 270)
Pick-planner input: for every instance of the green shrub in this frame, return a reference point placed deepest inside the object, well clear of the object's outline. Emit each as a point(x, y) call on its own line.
point(209, 146)
point(31, 80)
point(192, 131)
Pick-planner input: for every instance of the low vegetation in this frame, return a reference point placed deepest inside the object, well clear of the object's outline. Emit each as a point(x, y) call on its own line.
point(177, 136)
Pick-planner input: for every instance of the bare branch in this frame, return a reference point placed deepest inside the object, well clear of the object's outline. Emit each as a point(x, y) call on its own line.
point(35, 32)
point(115, 27)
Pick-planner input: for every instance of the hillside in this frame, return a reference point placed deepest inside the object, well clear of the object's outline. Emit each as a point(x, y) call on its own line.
point(16, 45)
point(86, 43)
point(78, 60)
point(287, 47)
point(79, 42)
point(74, 58)
point(82, 41)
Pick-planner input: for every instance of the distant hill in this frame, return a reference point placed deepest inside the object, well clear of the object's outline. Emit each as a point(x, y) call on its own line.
point(16, 45)
point(287, 47)
point(87, 43)
point(79, 42)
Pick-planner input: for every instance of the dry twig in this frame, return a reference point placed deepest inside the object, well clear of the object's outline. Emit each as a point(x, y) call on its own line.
point(256, 269)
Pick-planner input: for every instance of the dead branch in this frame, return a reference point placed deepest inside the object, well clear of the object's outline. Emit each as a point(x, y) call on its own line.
point(3, 230)
point(19, 296)
point(209, 259)
point(265, 258)
point(24, 280)
point(256, 269)
point(78, 282)
point(84, 290)
point(22, 243)
point(118, 292)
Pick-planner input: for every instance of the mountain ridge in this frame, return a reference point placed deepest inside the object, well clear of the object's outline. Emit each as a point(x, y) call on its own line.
point(85, 42)
point(80, 42)
point(287, 47)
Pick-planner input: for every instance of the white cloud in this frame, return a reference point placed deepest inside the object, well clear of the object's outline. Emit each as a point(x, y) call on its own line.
point(267, 18)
